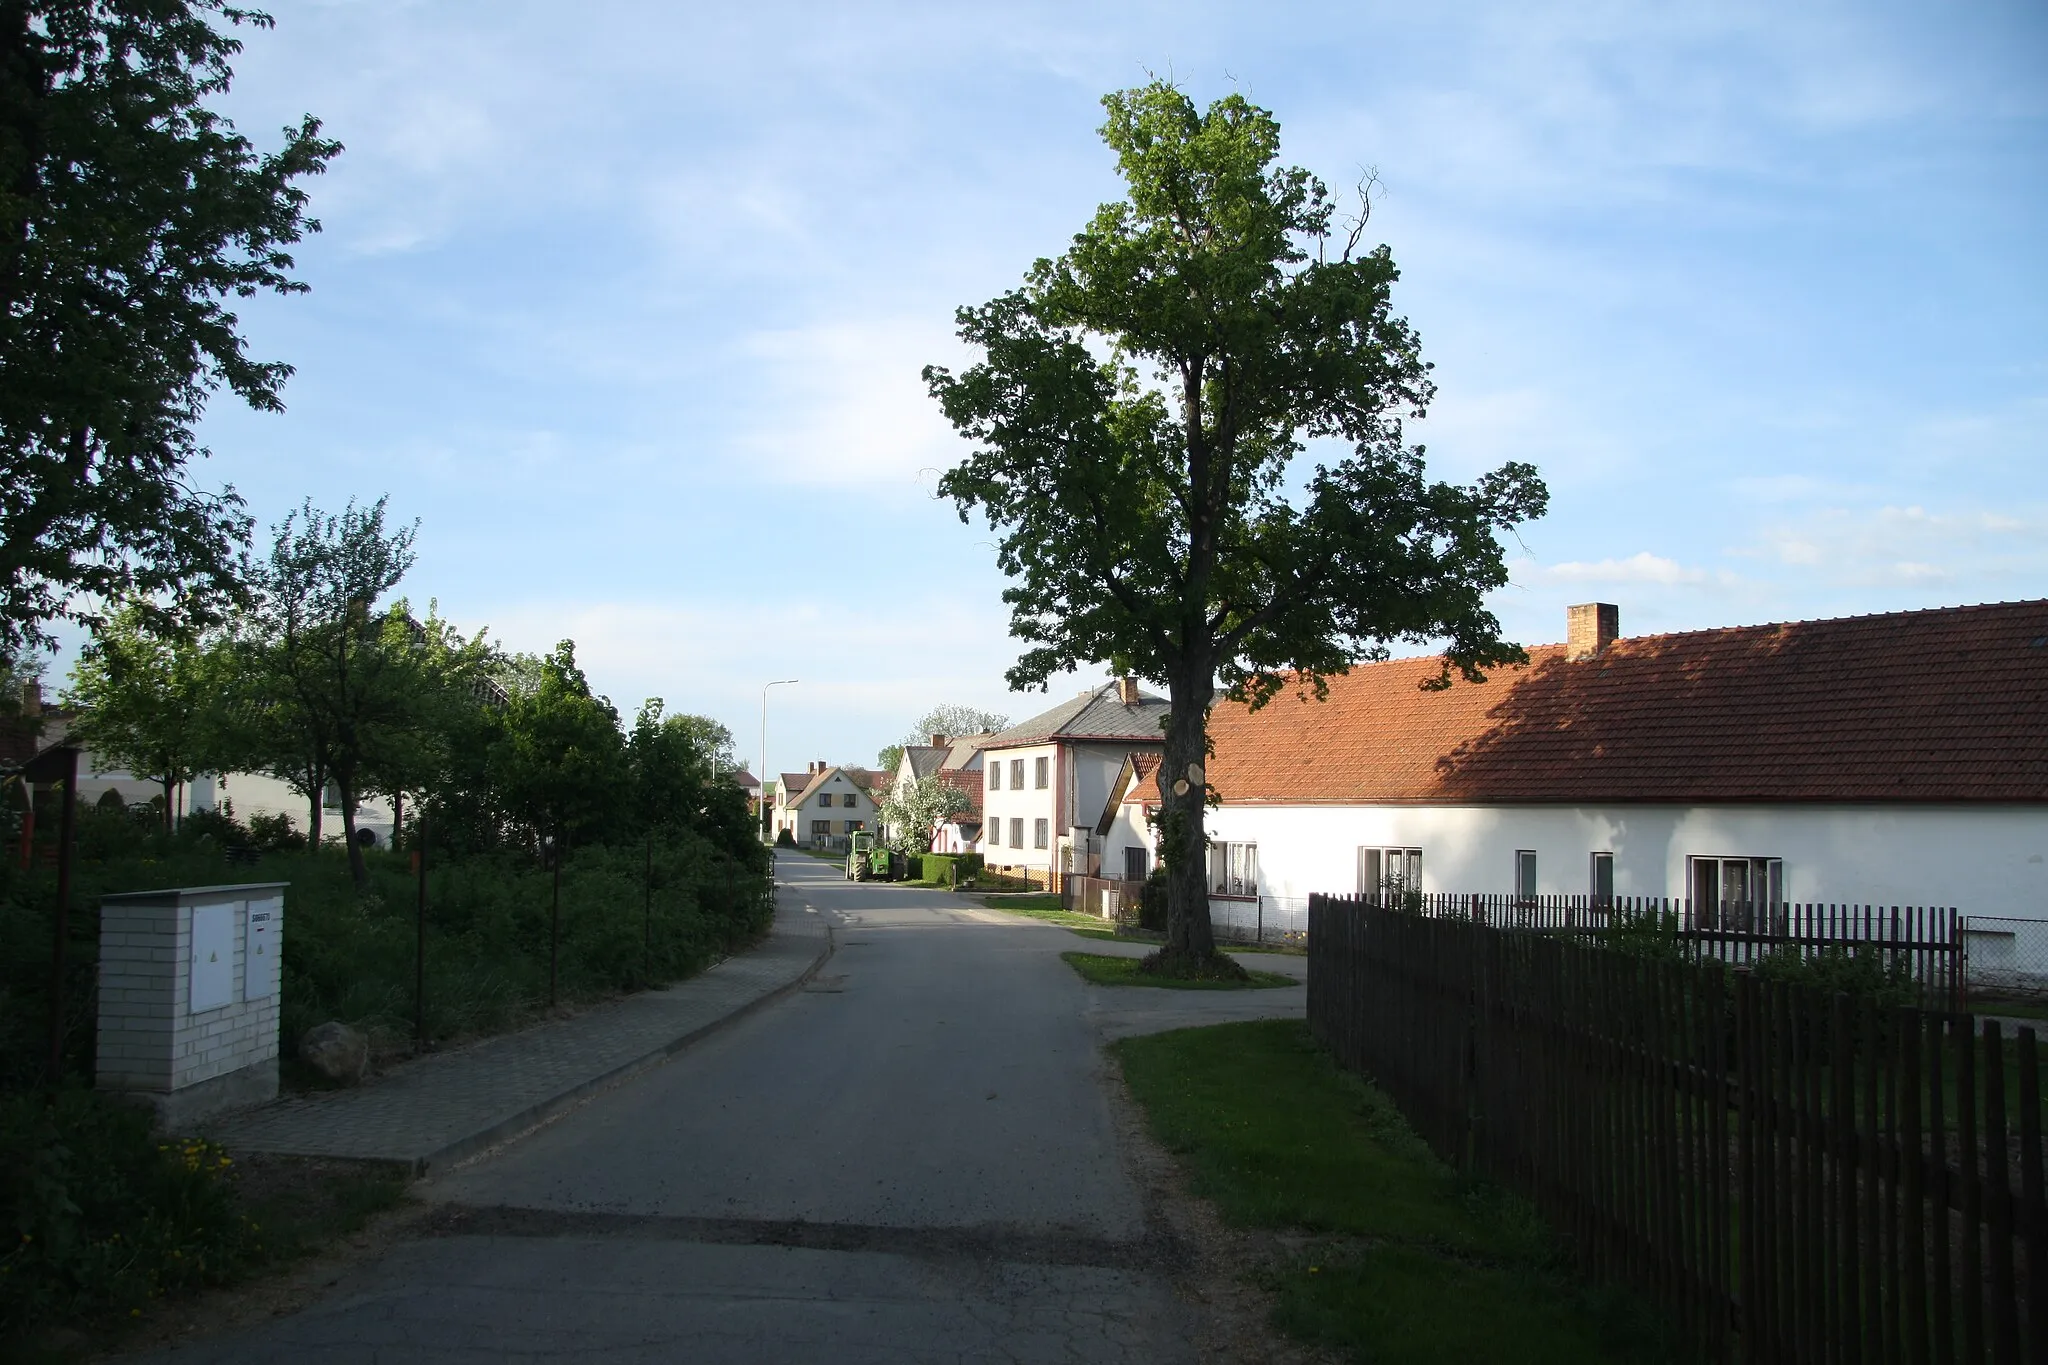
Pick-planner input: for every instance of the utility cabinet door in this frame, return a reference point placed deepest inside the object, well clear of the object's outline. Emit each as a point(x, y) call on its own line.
point(213, 957)
point(260, 949)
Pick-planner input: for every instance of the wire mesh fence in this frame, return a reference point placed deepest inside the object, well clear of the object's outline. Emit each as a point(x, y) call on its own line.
point(2005, 956)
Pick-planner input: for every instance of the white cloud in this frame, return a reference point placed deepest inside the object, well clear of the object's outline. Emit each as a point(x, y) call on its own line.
point(1985, 551)
point(844, 403)
point(1641, 567)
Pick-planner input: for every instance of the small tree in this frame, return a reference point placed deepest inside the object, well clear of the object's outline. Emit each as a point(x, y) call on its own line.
point(150, 699)
point(1139, 407)
point(916, 814)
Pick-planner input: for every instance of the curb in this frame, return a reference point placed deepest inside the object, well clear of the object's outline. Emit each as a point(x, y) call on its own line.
point(534, 1115)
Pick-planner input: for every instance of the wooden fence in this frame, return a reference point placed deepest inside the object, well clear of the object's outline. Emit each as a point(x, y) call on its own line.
point(1794, 1177)
point(1111, 899)
point(1925, 940)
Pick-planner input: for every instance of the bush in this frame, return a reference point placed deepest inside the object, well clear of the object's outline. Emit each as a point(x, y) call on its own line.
point(1152, 902)
point(101, 1214)
point(1862, 976)
point(274, 833)
point(953, 869)
point(784, 839)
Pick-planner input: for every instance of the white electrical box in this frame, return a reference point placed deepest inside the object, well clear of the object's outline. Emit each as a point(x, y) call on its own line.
point(213, 957)
point(259, 949)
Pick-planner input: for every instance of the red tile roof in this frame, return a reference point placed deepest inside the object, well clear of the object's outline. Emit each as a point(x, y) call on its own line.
point(968, 781)
point(1144, 790)
point(1944, 705)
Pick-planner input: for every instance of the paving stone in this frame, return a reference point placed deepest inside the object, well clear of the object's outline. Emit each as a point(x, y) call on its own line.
point(442, 1107)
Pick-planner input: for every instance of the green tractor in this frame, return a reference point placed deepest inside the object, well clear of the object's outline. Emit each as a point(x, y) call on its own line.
point(866, 860)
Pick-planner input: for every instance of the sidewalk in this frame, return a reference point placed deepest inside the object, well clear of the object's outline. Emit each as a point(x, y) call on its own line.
point(438, 1109)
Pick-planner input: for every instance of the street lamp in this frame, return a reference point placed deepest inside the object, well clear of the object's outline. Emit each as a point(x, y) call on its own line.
point(779, 682)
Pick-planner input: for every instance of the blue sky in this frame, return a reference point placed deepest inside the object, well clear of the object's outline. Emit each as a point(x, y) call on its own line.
point(627, 302)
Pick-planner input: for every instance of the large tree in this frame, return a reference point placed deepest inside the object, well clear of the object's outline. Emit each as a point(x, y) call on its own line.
point(951, 719)
point(1137, 418)
point(131, 217)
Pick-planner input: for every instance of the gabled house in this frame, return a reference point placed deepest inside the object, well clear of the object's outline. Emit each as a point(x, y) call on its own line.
point(1046, 779)
point(824, 805)
point(1897, 759)
point(1124, 828)
point(957, 761)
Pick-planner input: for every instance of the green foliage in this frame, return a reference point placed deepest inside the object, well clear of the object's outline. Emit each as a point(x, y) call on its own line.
point(138, 217)
point(949, 869)
point(1135, 419)
point(888, 757)
point(1882, 979)
point(101, 1214)
point(274, 834)
point(558, 759)
point(784, 839)
point(954, 721)
point(1402, 1248)
point(149, 695)
point(1152, 902)
point(1646, 934)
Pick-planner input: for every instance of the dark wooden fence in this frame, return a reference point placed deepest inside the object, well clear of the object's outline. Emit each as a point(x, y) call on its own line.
point(1926, 940)
point(1794, 1177)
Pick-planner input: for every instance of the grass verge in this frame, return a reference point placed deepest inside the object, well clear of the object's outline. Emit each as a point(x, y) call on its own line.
point(1100, 970)
point(1410, 1265)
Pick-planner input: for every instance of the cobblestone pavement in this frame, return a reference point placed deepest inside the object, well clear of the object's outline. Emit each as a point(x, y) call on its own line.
point(440, 1108)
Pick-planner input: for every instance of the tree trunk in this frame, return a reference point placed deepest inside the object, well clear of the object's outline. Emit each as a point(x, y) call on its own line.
point(170, 825)
point(358, 870)
point(1183, 841)
point(316, 783)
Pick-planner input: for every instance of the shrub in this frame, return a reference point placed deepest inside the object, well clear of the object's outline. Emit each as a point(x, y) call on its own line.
point(274, 833)
point(953, 869)
point(101, 1214)
point(1862, 976)
point(1644, 934)
point(1152, 902)
point(784, 839)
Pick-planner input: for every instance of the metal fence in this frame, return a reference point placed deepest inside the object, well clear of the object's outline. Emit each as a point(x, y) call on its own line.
point(1264, 919)
point(2004, 956)
point(1794, 1176)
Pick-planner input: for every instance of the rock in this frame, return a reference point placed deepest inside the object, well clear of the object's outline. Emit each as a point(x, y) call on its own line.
point(336, 1051)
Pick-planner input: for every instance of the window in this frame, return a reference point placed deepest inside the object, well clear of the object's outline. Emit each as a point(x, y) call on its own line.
point(1234, 870)
point(1525, 873)
point(1041, 773)
point(1134, 864)
point(1017, 830)
point(1737, 893)
point(849, 800)
point(1602, 880)
point(1016, 774)
point(995, 774)
point(852, 825)
point(821, 829)
point(1386, 871)
point(1041, 831)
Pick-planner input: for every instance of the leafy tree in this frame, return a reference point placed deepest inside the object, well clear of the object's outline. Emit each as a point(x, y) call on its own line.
point(949, 719)
point(337, 683)
point(1137, 415)
point(150, 699)
point(712, 739)
point(559, 766)
point(131, 214)
point(915, 814)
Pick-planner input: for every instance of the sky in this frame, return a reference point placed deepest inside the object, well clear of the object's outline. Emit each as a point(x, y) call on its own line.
point(626, 303)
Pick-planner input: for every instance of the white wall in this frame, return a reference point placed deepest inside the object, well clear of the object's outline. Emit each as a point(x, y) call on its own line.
point(1983, 860)
point(828, 803)
point(260, 794)
point(1029, 804)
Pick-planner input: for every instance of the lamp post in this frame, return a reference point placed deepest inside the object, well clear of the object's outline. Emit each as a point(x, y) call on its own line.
point(779, 682)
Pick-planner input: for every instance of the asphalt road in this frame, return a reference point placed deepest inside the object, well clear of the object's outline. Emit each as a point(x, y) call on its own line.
point(914, 1159)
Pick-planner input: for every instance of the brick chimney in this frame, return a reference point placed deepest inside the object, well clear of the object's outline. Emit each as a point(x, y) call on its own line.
point(1589, 628)
point(1127, 690)
point(938, 741)
point(31, 699)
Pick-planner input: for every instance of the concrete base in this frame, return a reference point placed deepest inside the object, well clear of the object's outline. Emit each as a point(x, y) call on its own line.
point(178, 1110)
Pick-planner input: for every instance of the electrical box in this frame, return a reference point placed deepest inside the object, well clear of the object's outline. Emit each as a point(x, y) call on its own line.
point(213, 957)
point(260, 965)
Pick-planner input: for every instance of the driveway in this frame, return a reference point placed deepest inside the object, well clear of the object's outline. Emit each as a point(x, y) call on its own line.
point(913, 1159)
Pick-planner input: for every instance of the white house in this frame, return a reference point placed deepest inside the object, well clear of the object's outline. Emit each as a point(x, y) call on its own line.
point(1899, 759)
point(957, 761)
point(1047, 779)
point(822, 806)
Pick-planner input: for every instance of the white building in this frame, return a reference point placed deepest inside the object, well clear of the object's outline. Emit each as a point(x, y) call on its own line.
point(1898, 760)
point(1048, 778)
point(955, 760)
point(820, 807)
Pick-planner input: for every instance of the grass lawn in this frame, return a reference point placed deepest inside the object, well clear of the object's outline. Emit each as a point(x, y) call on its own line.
point(1412, 1265)
point(1099, 970)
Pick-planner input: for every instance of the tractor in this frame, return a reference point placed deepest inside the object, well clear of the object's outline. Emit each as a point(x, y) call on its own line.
point(866, 860)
